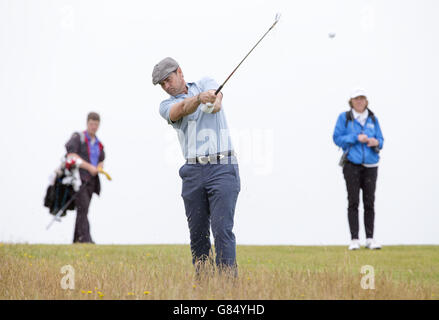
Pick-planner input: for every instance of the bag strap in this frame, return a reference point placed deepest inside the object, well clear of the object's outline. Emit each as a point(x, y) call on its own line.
point(372, 116)
point(350, 117)
point(84, 139)
point(82, 136)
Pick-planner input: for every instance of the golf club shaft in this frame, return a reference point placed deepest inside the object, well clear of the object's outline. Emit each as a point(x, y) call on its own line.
point(64, 207)
point(60, 211)
point(221, 86)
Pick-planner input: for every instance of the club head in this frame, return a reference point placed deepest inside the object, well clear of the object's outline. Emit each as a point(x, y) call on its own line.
point(277, 18)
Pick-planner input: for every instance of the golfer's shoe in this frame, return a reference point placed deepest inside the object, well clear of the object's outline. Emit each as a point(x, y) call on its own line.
point(354, 245)
point(372, 244)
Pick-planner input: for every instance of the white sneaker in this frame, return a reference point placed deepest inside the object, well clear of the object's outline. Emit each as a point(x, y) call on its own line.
point(354, 245)
point(372, 244)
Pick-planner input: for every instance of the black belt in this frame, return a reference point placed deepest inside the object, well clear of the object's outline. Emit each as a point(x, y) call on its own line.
point(211, 157)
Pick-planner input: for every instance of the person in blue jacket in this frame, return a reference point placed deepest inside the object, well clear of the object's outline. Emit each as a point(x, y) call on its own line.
point(359, 134)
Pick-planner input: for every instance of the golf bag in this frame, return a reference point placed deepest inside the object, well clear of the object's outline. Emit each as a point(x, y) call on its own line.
point(64, 184)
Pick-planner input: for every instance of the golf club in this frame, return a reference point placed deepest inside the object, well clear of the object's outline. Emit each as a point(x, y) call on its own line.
point(276, 20)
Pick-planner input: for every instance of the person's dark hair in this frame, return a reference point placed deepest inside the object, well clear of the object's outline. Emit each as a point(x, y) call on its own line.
point(93, 116)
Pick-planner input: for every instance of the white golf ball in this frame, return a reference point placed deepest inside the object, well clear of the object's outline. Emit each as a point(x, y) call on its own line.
point(331, 35)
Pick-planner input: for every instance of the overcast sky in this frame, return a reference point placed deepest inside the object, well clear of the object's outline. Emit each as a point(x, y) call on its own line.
point(61, 59)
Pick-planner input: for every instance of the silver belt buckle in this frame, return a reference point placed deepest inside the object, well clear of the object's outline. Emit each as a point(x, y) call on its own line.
point(200, 159)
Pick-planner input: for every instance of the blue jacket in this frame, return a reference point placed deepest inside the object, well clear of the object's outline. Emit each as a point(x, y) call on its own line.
point(347, 137)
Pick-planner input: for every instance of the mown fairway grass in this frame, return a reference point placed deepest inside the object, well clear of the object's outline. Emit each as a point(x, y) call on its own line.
point(265, 272)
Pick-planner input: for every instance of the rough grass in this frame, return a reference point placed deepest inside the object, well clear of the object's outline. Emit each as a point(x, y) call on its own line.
point(265, 272)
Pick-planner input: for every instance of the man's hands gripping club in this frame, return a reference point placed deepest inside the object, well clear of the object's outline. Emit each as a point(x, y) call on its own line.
point(210, 102)
point(190, 105)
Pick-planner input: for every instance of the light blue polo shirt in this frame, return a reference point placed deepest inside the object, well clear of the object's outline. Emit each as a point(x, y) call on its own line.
point(199, 133)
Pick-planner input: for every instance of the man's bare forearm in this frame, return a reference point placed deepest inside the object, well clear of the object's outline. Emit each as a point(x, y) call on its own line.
point(184, 108)
point(190, 105)
point(218, 103)
point(84, 164)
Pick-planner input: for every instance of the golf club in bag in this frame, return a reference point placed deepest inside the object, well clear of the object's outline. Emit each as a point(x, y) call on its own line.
point(209, 106)
point(64, 189)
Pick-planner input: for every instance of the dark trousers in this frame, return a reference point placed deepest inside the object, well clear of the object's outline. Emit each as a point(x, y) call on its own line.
point(82, 226)
point(210, 192)
point(359, 177)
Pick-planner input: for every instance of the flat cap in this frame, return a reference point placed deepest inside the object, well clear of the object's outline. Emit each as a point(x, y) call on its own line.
point(163, 69)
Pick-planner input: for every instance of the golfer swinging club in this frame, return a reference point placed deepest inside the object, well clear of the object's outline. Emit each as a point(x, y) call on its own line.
point(211, 181)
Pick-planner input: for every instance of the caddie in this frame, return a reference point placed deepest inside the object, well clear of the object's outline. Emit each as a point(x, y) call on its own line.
point(86, 148)
point(210, 175)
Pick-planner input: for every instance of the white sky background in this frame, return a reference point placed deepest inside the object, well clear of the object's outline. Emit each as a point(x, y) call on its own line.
point(61, 59)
